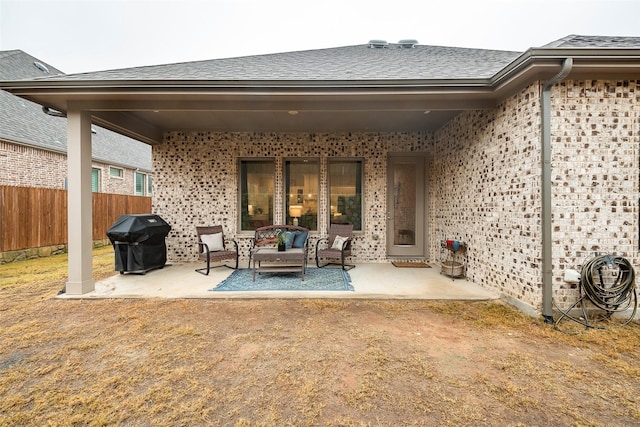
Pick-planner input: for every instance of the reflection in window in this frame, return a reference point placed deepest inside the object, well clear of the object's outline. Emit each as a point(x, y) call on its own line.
point(95, 180)
point(141, 184)
point(256, 193)
point(345, 192)
point(301, 192)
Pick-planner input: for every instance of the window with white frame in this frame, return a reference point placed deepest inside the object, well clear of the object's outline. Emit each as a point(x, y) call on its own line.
point(142, 184)
point(95, 180)
point(115, 172)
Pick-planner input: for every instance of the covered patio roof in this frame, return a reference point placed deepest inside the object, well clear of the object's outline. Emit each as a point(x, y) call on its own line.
point(393, 88)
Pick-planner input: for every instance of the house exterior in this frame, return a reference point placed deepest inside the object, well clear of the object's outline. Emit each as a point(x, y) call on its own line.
point(33, 145)
point(531, 159)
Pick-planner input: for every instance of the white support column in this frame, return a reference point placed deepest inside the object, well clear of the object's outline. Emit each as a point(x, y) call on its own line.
point(80, 215)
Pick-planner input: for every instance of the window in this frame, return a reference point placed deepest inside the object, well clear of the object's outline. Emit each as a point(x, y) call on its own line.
point(95, 180)
point(115, 172)
point(345, 192)
point(257, 182)
point(149, 186)
point(143, 184)
point(301, 192)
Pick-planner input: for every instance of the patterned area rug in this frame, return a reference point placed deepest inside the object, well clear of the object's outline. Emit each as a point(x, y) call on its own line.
point(315, 279)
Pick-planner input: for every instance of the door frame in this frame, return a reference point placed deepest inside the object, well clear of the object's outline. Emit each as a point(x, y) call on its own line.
point(420, 249)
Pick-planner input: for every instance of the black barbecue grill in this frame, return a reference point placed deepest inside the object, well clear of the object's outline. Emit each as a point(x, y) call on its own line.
point(139, 242)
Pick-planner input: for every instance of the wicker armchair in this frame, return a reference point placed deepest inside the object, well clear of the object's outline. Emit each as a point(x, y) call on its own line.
point(335, 254)
point(212, 247)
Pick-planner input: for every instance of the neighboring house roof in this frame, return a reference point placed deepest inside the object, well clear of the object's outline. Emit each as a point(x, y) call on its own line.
point(576, 41)
point(25, 123)
point(395, 87)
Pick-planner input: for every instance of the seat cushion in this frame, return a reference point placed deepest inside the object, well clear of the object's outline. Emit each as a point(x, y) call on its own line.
point(213, 241)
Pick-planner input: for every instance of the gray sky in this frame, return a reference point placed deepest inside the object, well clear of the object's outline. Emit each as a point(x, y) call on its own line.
point(89, 35)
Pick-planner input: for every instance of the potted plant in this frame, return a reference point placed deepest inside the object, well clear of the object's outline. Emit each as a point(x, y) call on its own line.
point(281, 245)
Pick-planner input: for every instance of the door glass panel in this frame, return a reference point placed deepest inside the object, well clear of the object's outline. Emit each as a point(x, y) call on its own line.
point(404, 199)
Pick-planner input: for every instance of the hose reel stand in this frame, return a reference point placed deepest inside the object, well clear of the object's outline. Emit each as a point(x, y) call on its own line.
point(608, 282)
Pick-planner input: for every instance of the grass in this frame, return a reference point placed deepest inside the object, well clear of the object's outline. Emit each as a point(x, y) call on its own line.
point(298, 362)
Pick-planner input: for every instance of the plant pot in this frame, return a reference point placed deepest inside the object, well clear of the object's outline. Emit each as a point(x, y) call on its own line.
point(281, 247)
point(452, 268)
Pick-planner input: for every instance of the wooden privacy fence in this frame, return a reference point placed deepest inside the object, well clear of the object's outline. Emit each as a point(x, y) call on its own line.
point(36, 217)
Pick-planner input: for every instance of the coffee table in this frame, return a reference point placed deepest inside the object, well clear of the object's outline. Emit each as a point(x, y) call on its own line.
point(291, 260)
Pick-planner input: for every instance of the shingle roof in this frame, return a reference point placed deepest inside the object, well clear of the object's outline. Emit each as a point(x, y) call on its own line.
point(24, 122)
point(577, 41)
point(359, 62)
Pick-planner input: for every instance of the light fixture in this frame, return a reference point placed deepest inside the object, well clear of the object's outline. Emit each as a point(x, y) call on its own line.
point(293, 113)
point(295, 211)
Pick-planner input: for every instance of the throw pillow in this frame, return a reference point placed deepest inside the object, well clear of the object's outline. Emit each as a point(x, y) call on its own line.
point(288, 239)
point(213, 241)
point(300, 238)
point(338, 242)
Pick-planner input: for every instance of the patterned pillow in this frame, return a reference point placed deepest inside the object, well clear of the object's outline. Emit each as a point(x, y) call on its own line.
point(339, 242)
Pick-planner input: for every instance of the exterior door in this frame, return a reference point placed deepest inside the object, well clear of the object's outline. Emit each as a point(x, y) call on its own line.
point(405, 206)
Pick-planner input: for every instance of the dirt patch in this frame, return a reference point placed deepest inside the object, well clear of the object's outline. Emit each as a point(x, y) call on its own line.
point(303, 362)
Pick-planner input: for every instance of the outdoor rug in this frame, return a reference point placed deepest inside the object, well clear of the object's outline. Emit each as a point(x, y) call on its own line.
point(401, 264)
point(315, 279)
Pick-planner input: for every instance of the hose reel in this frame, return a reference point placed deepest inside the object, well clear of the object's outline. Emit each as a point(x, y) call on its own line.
point(609, 283)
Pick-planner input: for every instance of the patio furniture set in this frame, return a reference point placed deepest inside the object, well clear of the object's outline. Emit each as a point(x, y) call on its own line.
point(276, 248)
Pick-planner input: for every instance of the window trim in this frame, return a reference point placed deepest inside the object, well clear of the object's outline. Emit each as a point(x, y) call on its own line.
point(120, 176)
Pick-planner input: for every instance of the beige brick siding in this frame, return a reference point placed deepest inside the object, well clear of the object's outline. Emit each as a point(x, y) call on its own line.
point(595, 146)
point(26, 166)
point(485, 191)
point(484, 183)
point(196, 181)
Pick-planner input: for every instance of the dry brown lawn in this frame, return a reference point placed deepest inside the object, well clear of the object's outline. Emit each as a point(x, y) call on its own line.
point(298, 362)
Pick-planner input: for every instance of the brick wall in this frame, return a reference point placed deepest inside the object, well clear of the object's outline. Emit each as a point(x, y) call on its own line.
point(484, 183)
point(196, 181)
point(25, 166)
point(485, 191)
point(595, 159)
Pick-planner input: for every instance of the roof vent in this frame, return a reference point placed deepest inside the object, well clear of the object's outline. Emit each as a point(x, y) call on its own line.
point(408, 43)
point(40, 66)
point(378, 44)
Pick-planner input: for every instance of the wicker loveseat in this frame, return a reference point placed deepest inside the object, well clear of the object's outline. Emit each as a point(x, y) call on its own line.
point(267, 236)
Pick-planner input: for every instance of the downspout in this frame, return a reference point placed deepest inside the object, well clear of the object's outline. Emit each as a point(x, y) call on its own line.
point(547, 264)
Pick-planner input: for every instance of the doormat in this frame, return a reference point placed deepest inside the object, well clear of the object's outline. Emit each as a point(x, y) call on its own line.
point(405, 264)
point(315, 279)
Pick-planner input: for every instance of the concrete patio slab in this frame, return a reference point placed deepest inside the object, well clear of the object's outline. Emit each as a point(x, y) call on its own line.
point(370, 281)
